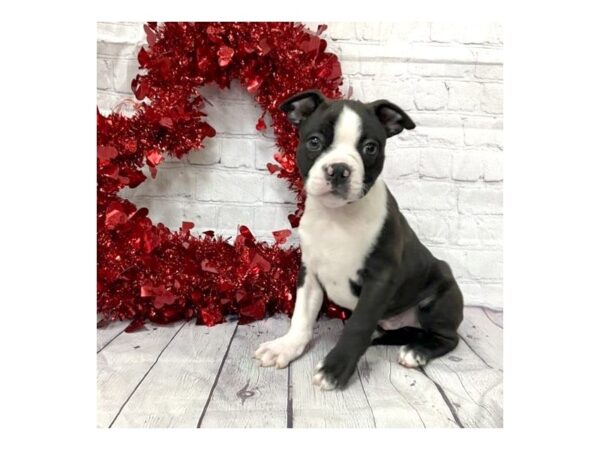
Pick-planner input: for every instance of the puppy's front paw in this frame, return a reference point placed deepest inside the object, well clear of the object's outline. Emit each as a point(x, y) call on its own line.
point(333, 372)
point(280, 352)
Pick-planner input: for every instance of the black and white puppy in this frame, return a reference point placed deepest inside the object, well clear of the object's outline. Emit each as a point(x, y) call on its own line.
point(358, 248)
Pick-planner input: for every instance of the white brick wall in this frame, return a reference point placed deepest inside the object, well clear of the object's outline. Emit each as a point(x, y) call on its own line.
point(446, 174)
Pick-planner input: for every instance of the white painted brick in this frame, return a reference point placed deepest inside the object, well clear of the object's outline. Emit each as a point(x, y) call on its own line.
point(117, 50)
point(435, 162)
point(231, 216)
point(441, 70)
point(408, 139)
point(487, 55)
point(432, 227)
point(269, 218)
point(265, 150)
point(489, 72)
point(486, 264)
point(354, 68)
point(400, 162)
point(125, 70)
point(467, 166)
point(276, 190)
point(202, 215)
point(172, 211)
point(456, 258)
point(400, 92)
point(464, 96)
point(233, 118)
point(493, 168)
point(476, 121)
point(131, 32)
point(480, 200)
point(354, 50)
point(104, 74)
point(108, 100)
point(370, 68)
point(436, 119)
point(479, 231)
point(231, 110)
point(168, 211)
point(404, 31)
point(209, 154)
point(420, 195)
point(481, 137)
point(481, 293)
point(237, 152)
point(439, 136)
point(172, 182)
point(234, 93)
point(429, 53)
point(431, 95)
point(342, 30)
point(418, 52)
point(229, 233)
point(170, 161)
point(492, 99)
point(374, 31)
point(473, 33)
point(409, 31)
point(229, 186)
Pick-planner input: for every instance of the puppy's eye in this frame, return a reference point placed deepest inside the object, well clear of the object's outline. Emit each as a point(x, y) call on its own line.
point(370, 148)
point(314, 144)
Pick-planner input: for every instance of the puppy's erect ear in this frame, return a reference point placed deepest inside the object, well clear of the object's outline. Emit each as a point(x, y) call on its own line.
point(302, 105)
point(392, 117)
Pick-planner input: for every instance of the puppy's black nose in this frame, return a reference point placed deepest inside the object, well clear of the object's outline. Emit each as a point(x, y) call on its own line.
point(337, 173)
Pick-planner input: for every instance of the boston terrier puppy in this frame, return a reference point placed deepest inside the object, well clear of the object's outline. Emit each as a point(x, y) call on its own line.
point(358, 248)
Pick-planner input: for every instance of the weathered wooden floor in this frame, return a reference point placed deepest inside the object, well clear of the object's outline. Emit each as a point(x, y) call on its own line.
point(183, 375)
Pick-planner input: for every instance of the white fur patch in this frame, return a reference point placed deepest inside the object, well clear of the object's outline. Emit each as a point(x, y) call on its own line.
point(347, 133)
point(409, 358)
point(319, 379)
point(348, 128)
point(280, 352)
point(336, 241)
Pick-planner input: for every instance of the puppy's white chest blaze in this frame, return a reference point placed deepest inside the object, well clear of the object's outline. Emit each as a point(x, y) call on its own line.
point(335, 242)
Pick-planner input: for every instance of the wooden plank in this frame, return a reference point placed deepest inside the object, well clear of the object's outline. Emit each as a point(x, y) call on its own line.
point(175, 391)
point(482, 336)
point(106, 334)
point(473, 388)
point(313, 407)
point(246, 394)
point(123, 364)
point(497, 317)
point(401, 397)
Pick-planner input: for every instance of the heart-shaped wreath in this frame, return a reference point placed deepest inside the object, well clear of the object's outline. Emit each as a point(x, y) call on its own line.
point(146, 271)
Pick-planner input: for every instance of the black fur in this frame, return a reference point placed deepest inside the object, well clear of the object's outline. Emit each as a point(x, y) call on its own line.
point(354, 288)
point(301, 276)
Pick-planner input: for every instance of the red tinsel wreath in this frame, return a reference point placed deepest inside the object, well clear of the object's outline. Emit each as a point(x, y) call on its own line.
point(146, 271)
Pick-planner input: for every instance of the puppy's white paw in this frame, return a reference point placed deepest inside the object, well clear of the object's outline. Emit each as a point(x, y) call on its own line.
point(322, 380)
point(410, 358)
point(280, 352)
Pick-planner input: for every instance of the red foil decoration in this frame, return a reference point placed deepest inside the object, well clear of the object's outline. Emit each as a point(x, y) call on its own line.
point(146, 271)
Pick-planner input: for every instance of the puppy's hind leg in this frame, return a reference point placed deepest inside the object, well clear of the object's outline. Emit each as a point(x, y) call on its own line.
point(439, 318)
